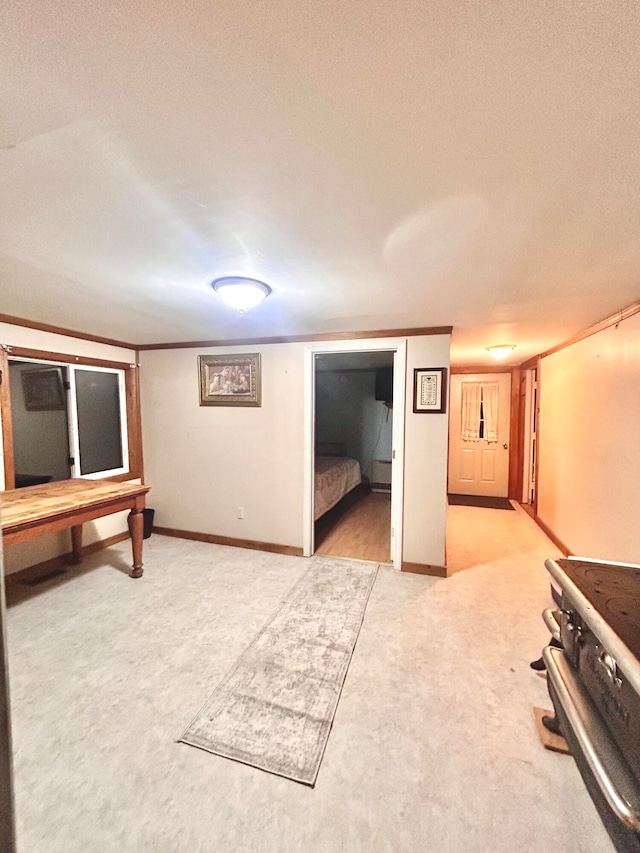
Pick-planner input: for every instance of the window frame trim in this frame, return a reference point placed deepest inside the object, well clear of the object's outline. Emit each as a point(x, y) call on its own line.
point(74, 425)
point(132, 405)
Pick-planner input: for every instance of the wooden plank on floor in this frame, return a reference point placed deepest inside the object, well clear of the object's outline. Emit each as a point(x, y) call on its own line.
point(556, 743)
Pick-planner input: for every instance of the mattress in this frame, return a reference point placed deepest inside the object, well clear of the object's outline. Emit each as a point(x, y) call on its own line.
point(334, 477)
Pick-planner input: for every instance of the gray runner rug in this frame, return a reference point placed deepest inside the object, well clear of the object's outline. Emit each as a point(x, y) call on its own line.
point(274, 710)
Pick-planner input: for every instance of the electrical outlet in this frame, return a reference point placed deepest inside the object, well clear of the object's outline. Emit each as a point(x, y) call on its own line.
point(240, 512)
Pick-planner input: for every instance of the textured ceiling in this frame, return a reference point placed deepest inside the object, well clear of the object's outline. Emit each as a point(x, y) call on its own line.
point(380, 165)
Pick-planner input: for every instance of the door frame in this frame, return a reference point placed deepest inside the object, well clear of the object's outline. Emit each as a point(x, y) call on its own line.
point(513, 417)
point(399, 347)
point(516, 432)
point(533, 406)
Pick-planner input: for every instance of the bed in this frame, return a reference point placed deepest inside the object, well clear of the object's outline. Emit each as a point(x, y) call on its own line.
point(335, 476)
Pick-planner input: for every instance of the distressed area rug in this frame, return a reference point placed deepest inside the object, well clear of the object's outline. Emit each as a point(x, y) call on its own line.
point(274, 710)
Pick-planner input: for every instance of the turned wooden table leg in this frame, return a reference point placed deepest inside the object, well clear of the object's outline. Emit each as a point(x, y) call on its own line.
point(76, 544)
point(136, 526)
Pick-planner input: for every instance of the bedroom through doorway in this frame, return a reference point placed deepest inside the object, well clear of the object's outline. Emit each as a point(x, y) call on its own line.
point(353, 445)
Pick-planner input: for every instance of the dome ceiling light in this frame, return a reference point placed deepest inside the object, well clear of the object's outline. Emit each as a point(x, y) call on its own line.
point(500, 351)
point(239, 292)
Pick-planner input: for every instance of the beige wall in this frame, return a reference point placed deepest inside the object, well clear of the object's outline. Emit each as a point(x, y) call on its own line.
point(589, 492)
point(18, 556)
point(18, 336)
point(203, 462)
point(426, 443)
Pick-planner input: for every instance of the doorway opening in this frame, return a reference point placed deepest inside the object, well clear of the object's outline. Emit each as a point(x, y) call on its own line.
point(354, 449)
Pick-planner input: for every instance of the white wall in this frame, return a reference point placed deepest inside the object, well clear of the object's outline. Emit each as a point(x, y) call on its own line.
point(19, 336)
point(588, 485)
point(19, 556)
point(203, 462)
point(426, 441)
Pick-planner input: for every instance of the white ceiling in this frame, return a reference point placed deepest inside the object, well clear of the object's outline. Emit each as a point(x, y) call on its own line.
point(381, 165)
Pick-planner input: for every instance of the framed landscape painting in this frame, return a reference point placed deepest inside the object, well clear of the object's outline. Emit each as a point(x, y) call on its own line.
point(230, 380)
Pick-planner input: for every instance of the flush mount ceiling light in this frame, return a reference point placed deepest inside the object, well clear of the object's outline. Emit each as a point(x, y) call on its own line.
point(240, 292)
point(501, 350)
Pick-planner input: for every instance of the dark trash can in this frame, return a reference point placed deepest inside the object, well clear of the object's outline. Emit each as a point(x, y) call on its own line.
point(147, 522)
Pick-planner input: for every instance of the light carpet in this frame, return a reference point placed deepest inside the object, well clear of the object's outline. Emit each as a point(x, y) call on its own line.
point(433, 746)
point(275, 709)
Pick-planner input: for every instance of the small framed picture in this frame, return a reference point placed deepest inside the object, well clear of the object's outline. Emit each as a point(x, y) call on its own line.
point(430, 390)
point(230, 380)
point(43, 390)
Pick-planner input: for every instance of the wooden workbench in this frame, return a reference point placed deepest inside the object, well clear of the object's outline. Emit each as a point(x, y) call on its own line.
point(36, 510)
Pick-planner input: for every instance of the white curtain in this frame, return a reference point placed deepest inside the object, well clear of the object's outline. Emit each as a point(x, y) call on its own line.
point(471, 399)
point(474, 393)
point(490, 410)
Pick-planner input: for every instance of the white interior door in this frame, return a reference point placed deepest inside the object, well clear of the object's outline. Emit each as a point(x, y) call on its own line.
point(479, 467)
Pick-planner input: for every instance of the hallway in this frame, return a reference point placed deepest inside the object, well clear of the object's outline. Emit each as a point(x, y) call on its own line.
point(476, 536)
point(359, 529)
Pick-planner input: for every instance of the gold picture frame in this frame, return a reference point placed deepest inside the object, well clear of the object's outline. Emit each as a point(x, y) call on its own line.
point(230, 380)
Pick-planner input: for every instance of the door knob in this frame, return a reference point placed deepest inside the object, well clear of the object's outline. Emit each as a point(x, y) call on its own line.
point(506, 446)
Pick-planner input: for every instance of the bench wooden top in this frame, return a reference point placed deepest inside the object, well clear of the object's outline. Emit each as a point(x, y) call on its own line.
point(52, 500)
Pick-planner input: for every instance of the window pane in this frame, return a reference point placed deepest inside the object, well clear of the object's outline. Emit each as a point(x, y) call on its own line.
point(39, 416)
point(99, 426)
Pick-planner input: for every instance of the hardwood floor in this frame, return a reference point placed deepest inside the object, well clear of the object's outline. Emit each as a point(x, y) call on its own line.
point(359, 528)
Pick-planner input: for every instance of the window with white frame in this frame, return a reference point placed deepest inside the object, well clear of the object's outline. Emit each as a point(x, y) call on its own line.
point(67, 421)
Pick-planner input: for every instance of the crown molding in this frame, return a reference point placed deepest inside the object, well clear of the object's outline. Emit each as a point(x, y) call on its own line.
point(612, 320)
point(283, 339)
point(60, 330)
point(297, 339)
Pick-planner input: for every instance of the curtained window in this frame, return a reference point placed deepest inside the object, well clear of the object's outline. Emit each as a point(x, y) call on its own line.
point(480, 411)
